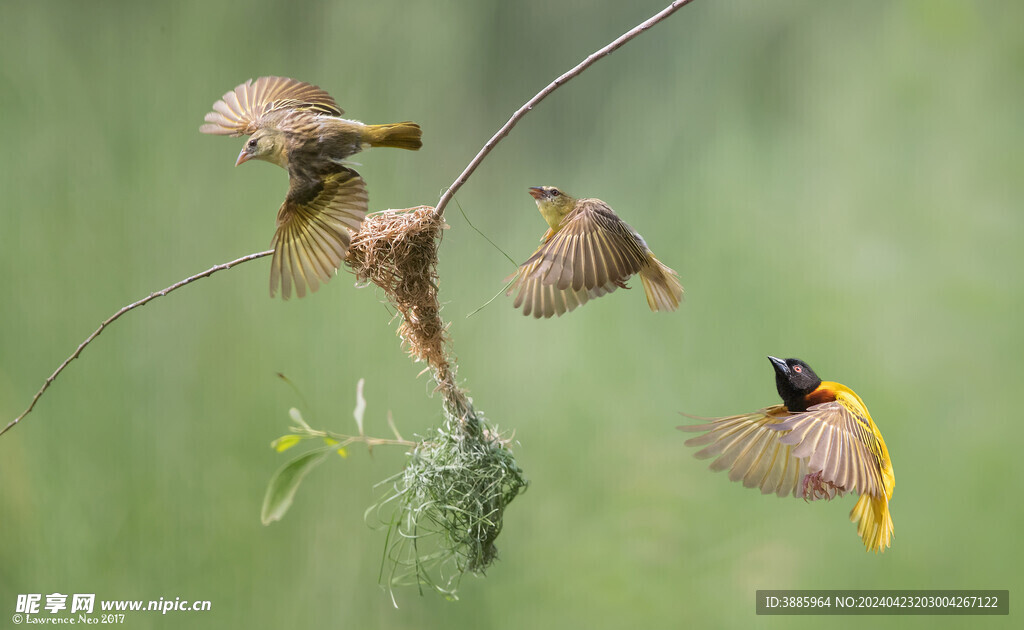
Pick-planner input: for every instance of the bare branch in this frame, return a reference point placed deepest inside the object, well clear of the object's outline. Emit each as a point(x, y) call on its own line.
point(554, 85)
point(343, 439)
point(122, 311)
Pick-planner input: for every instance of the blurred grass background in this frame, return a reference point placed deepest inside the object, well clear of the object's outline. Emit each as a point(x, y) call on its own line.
point(834, 181)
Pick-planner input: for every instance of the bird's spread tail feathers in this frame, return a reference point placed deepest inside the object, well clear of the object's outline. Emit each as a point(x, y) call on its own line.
point(403, 135)
point(874, 523)
point(661, 284)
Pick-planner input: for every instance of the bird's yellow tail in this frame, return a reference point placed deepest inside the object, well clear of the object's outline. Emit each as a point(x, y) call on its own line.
point(874, 523)
point(403, 135)
point(661, 284)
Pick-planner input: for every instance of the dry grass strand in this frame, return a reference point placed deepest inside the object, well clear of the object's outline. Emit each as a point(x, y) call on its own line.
point(397, 251)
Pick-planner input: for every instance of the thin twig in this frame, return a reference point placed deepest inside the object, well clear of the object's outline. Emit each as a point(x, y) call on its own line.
point(554, 85)
point(344, 440)
point(486, 238)
point(394, 429)
point(122, 311)
point(495, 297)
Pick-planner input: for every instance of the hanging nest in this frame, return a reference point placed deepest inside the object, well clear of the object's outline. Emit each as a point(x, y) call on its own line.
point(397, 251)
point(444, 511)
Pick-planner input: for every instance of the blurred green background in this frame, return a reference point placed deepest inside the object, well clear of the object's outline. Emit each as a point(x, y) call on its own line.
point(834, 181)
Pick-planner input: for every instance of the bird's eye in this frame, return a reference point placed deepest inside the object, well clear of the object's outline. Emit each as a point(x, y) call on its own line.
point(555, 192)
point(797, 369)
point(252, 143)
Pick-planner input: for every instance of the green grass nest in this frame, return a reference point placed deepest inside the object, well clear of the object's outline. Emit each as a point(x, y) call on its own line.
point(449, 504)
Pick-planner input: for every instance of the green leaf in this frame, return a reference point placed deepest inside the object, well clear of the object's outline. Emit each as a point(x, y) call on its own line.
point(285, 442)
point(331, 442)
point(284, 483)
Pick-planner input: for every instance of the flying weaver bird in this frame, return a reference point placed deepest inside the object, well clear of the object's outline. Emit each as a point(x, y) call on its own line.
point(820, 443)
point(588, 251)
point(299, 127)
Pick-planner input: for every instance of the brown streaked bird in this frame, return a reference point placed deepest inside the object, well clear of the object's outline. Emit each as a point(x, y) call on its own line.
point(588, 251)
point(819, 444)
point(299, 127)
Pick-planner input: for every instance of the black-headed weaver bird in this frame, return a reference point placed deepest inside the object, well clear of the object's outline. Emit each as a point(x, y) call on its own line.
point(588, 251)
point(299, 127)
point(818, 444)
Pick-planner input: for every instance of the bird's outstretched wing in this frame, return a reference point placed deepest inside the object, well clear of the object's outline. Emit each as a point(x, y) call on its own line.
point(831, 448)
point(545, 300)
point(822, 450)
point(840, 443)
point(314, 230)
point(838, 440)
point(593, 253)
point(242, 110)
point(750, 450)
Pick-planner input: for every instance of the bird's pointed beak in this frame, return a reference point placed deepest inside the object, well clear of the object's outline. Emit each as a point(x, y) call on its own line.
point(536, 192)
point(779, 365)
point(244, 156)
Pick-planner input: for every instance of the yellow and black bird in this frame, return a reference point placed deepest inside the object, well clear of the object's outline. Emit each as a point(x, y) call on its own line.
point(588, 251)
point(299, 127)
point(818, 444)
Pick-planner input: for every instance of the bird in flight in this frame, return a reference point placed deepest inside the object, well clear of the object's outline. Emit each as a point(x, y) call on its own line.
point(818, 444)
point(588, 251)
point(299, 127)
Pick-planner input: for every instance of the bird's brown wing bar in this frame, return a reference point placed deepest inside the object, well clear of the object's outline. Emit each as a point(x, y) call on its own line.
point(545, 300)
point(314, 230)
point(592, 254)
point(838, 442)
point(240, 111)
point(751, 451)
point(592, 248)
point(773, 449)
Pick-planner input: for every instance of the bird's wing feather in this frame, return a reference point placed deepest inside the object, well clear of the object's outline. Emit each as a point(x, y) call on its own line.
point(593, 253)
point(314, 230)
point(838, 441)
point(594, 246)
point(751, 451)
point(244, 109)
point(546, 300)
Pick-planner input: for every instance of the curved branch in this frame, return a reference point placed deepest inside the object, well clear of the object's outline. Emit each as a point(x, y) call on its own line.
point(554, 85)
point(119, 313)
